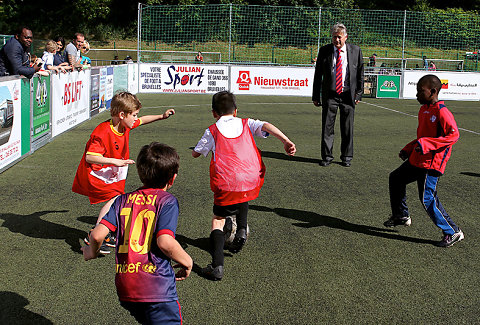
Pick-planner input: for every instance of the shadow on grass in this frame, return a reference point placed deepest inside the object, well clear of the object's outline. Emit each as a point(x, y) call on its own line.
point(89, 220)
point(282, 156)
point(13, 310)
point(470, 174)
point(311, 219)
point(32, 225)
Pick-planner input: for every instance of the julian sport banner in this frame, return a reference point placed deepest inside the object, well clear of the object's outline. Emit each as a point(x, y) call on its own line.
point(388, 86)
point(70, 100)
point(183, 78)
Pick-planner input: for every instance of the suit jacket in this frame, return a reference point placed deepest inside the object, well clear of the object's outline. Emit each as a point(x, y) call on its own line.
point(14, 59)
point(323, 81)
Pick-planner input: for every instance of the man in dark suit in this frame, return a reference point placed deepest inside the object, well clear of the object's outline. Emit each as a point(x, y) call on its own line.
point(338, 84)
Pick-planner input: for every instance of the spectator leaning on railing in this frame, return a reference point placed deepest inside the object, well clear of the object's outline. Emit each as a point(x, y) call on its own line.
point(72, 51)
point(15, 55)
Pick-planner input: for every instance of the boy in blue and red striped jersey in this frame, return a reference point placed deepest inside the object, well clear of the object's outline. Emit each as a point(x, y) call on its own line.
point(425, 161)
point(145, 222)
point(103, 168)
point(236, 172)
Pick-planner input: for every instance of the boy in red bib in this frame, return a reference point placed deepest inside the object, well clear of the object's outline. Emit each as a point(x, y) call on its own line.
point(236, 172)
point(103, 169)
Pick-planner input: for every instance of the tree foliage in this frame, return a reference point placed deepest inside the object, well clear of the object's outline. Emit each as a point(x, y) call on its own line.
point(118, 18)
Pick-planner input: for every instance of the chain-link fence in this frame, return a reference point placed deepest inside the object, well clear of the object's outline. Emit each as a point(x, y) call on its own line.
point(292, 35)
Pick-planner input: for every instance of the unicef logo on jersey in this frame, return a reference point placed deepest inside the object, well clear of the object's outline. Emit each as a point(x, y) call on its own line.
point(433, 118)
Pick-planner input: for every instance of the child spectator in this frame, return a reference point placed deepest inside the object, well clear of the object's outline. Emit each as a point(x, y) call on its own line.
point(236, 172)
point(103, 169)
point(85, 61)
point(48, 57)
point(144, 278)
point(432, 66)
point(425, 160)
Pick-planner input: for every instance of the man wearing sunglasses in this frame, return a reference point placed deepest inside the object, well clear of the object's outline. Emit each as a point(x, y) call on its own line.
point(15, 55)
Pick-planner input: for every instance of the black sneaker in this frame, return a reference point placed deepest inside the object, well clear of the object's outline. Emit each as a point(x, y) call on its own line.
point(239, 240)
point(449, 240)
point(87, 239)
point(393, 221)
point(109, 240)
point(104, 248)
point(213, 273)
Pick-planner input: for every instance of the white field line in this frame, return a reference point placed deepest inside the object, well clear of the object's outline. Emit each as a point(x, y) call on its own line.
point(362, 102)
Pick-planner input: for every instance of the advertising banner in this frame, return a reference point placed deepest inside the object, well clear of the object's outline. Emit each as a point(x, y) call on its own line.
point(102, 93)
point(11, 121)
point(120, 78)
point(183, 78)
point(41, 107)
point(94, 91)
point(109, 87)
point(388, 86)
point(272, 80)
point(132, 77)
point(70, 100)
point(455, 85)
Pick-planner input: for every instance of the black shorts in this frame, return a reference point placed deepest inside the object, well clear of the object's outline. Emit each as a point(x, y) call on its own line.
point(230, 210)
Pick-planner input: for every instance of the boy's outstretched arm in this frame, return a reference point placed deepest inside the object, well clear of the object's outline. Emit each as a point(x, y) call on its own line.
point(101, 160)
point(152, 118)
point(288, 145)
point(95, 239)
point(171, 248)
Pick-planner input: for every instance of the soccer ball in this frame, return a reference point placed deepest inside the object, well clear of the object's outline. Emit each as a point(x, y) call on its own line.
point(230, 229)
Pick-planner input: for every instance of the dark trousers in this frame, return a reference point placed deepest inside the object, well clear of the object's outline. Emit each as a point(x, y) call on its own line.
point(329, 113)
point(427, 181)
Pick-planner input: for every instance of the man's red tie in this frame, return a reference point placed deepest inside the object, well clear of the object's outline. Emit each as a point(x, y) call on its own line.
point(338, 80)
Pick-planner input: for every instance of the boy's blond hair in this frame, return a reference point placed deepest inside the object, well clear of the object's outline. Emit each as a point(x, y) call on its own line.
point(124, 102)
point(51, 46)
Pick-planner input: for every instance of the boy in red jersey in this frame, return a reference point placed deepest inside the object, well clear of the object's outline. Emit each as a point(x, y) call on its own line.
point(103, 169)
point(236, 172)
point(425, 160)
point(145, 222)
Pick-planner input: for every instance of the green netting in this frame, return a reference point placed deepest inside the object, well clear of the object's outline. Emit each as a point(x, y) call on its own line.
point(292, 35)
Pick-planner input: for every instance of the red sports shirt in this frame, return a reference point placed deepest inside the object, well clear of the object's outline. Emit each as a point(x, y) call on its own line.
point(103, 182)
point(436, 133)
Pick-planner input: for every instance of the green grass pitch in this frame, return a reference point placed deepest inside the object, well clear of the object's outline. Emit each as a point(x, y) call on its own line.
point(317, 254)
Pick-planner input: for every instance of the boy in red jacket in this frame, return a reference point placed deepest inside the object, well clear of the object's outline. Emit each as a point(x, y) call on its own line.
point(236, 172)
point(425, 160)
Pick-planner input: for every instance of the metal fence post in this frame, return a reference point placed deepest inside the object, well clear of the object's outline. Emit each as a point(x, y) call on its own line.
point(404, 63)
point(230, 36)
point(319, 27)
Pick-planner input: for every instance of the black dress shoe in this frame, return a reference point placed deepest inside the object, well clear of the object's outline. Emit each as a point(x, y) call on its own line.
point(346, 163)
point(325, 163)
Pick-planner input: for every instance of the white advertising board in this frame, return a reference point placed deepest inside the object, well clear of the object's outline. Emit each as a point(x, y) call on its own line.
point(70, 100)
point(132, 77)
point(10, 122)
point(183, 78)
point(455, 85)
point(288, 81)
